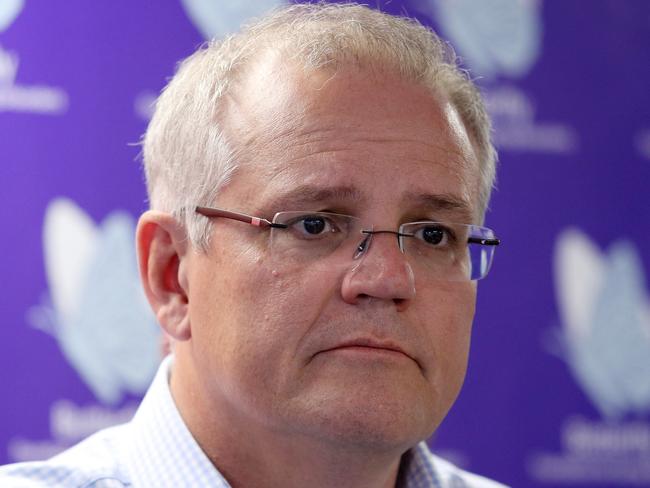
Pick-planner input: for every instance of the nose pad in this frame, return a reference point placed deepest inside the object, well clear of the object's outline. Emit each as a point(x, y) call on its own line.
point(380, 270)
point(363, 246)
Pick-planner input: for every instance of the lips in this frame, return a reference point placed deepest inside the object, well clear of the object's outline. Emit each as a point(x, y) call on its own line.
point(370, 344)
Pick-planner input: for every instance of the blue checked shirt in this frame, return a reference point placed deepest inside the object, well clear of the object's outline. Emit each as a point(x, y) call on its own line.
point(155, 449)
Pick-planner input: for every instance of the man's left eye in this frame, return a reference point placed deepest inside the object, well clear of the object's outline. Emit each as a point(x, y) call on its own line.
point(314, 224)
point(435, 235)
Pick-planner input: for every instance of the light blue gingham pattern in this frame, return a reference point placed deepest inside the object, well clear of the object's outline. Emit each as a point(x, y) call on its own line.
point(157, 450)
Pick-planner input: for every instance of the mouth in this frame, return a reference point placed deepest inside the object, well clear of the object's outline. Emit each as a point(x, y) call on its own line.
point(371, 348)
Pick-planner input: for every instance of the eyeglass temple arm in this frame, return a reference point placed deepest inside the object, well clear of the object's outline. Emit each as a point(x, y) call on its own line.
point(484, 242)
point(249, 219)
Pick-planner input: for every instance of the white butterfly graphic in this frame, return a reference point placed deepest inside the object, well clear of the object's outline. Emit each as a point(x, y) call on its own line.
point(494, 37)
point(9, 10)
point(605, 312)
point(216, 18)
point(98, 312)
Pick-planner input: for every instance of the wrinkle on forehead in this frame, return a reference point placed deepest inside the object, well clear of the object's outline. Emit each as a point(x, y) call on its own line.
point(278, 101)
point(281, 118)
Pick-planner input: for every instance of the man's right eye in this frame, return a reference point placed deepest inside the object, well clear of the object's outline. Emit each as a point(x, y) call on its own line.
point(310, 226)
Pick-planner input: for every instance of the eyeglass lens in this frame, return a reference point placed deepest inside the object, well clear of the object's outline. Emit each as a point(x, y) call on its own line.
point(438, 251)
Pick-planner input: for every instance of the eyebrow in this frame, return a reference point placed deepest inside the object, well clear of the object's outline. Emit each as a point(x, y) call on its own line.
point(310, 194)
point(455, 206)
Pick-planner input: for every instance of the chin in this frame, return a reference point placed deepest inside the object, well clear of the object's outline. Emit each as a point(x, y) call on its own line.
point(369, 418)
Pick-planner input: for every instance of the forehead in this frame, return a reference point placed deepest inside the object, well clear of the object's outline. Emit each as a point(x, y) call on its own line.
point(384, 139)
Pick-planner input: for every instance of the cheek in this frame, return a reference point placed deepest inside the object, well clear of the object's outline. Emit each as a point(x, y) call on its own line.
point(448, 329)
point(251, 316)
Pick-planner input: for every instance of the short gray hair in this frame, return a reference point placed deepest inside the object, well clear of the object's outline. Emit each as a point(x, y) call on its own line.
point(187, 156)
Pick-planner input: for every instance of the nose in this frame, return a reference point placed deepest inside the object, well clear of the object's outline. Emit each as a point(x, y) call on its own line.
point(380, 271)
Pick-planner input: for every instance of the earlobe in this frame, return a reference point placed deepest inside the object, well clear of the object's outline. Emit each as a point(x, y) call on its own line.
point(162, 251)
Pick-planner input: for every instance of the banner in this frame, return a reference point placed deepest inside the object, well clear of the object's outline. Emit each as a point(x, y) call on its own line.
point(558, 387)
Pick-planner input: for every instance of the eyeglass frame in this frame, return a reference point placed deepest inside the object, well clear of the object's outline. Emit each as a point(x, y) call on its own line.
point(212, 212)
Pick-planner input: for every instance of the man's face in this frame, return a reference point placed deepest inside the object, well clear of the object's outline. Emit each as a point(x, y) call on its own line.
point(310, 350)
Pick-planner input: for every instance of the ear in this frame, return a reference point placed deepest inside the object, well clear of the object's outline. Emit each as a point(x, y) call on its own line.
point(163, 252)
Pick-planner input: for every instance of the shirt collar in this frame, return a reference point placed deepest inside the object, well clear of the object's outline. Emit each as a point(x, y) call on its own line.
point(162, 450)
point(418, 468)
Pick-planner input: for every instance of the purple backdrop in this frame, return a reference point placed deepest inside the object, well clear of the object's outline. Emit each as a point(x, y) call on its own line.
point(558, 389)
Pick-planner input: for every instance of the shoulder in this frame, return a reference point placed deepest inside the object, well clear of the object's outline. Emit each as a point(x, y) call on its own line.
point(93, 463)
point(454, 477)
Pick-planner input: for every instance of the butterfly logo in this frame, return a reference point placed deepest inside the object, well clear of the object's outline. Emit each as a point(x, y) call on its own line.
point(96, 309)
point(9, 10)
point(605, 312)
point(495, 37)
point(216, 18)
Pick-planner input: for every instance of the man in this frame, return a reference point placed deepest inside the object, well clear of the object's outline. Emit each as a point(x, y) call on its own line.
point(298, 255)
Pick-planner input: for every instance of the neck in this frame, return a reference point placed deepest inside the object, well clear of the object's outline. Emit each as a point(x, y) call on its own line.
point(249, 454)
